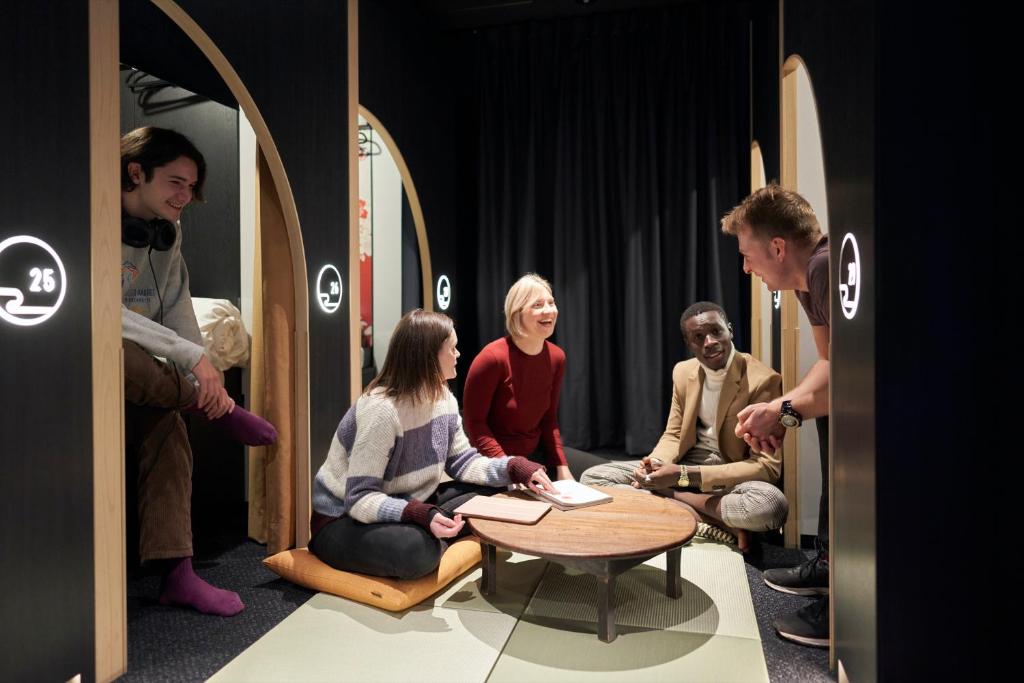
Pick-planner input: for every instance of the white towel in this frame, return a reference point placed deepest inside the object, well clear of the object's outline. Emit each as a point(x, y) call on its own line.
point(224, 335)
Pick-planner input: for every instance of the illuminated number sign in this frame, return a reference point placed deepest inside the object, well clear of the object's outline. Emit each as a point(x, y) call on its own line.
point(32, 280)
point(849, 276)
point(328, 288)
point(444, 293)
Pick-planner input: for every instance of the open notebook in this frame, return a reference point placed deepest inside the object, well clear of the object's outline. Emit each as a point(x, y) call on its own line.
point(570, 495)
point(504, 509)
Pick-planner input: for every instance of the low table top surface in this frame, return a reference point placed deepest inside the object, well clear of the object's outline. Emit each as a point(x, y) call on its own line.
point(635, 523)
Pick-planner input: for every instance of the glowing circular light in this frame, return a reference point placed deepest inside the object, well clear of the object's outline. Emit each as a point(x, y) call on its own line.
point(329, 288)
point(40, 281)
point(849, 276)
point(444, 292)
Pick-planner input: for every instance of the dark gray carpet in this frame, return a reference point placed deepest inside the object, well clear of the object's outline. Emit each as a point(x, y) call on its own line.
point(786, 660)
point(169, 644)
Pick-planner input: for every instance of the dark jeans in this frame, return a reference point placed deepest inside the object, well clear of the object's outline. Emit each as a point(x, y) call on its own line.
point(393, 549)
point(822, 424)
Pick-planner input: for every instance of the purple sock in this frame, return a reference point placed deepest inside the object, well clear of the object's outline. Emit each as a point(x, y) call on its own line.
point(243, 426)
point(183, 587)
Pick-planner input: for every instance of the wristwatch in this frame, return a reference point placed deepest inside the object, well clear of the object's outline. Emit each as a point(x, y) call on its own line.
point(684, 479)
point(789, 418)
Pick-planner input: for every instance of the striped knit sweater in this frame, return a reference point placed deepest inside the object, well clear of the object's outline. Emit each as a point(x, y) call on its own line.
point(387, 457)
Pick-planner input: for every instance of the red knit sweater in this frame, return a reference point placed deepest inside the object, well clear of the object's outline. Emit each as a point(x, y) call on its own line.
point(510, 403)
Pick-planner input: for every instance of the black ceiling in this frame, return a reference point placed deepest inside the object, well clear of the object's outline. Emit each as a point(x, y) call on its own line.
point(478, 13)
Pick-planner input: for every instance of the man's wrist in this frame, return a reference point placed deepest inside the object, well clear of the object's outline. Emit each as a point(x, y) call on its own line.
point(693, 474)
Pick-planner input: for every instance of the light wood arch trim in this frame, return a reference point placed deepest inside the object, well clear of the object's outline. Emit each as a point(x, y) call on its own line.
point(291, 217)
point(426, 268)
point(355, 365)
point(757, 313)
point(789, 334)
point(110, 616)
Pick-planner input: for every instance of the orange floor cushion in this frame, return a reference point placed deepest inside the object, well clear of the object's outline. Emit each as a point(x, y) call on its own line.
point(304, 568)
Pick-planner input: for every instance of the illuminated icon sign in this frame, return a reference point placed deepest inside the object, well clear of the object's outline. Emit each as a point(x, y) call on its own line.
point(777, 299)
point(849, 276)
point(32, 280)
point(444, 293)
point(328, 288)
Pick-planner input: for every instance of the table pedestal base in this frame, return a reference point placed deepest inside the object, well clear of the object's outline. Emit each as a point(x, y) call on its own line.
point(604, 570)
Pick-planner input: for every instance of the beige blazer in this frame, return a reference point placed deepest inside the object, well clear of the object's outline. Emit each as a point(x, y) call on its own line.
point(748, 381)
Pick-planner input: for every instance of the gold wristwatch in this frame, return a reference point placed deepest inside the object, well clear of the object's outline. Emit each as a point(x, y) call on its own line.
point(684, 478)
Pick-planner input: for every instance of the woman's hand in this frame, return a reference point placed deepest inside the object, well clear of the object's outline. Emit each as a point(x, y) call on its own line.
point(443, 527)
point(562, 472)
point(539, 481)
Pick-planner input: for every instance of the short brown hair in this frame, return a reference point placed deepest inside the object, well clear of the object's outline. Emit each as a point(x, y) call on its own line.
point(774, 211)
point(411, 368)
point(152, 147)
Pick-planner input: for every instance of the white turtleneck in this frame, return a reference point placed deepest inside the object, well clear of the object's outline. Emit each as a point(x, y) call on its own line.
point(707, 438)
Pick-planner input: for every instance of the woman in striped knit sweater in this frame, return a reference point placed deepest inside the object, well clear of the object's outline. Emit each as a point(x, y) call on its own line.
point(379, 506)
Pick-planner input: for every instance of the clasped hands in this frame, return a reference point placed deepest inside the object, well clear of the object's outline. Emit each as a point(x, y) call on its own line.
point(758, 425)
point(654, 475)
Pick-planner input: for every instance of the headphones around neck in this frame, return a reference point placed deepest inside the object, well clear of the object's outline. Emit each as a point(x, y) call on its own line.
point(158, 234)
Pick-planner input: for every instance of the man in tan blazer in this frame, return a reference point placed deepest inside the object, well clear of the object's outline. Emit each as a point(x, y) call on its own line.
point(699, 461)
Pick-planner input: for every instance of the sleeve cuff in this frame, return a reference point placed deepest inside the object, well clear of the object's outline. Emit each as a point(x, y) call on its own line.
point(520, 469)
point(419, 513)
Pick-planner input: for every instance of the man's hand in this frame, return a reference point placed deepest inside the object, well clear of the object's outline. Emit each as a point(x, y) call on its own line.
point(562, 472)
point(652, 474)
point(758, 425)
point(442, 527)
point(211, 397)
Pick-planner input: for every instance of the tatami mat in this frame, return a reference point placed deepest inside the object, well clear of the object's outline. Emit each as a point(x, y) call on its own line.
point(534, 654)
point(518, 576)
point(334, 639)
point(715, 598)
point(539, 626)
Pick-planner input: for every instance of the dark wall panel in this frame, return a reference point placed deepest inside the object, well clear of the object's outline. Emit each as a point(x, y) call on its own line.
point(906, 97)
point(407, 79)
point(294, 65)
point(151, 42)
point(46, 562)
point(943, 261)
point(837, 44)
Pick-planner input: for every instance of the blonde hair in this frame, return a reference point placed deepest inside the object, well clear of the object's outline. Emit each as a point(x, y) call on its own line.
point(519, 295)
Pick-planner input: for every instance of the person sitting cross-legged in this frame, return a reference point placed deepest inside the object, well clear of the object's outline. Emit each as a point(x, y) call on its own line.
point(699, 461)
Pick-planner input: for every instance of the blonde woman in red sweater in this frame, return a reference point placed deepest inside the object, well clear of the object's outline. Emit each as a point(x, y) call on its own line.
point(510, 403)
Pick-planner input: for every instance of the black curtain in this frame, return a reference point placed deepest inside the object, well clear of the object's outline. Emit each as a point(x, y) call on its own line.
point(607, 149)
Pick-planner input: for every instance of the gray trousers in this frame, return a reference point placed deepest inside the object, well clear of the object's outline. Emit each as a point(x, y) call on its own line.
point(750, 505)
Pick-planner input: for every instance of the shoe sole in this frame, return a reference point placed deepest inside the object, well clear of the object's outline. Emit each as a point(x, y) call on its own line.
point(810, 641)
point(796, 591)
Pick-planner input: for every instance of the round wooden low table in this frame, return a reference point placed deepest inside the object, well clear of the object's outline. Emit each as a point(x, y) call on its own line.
point(602, 540)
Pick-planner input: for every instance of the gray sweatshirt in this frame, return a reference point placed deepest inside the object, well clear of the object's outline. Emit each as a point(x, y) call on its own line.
point(178, 338)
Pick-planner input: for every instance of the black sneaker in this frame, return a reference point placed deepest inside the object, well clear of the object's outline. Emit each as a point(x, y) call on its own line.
point(807, 626)
point(809, 578)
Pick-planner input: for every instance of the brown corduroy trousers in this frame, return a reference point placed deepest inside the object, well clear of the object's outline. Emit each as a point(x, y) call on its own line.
point(154, 391)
